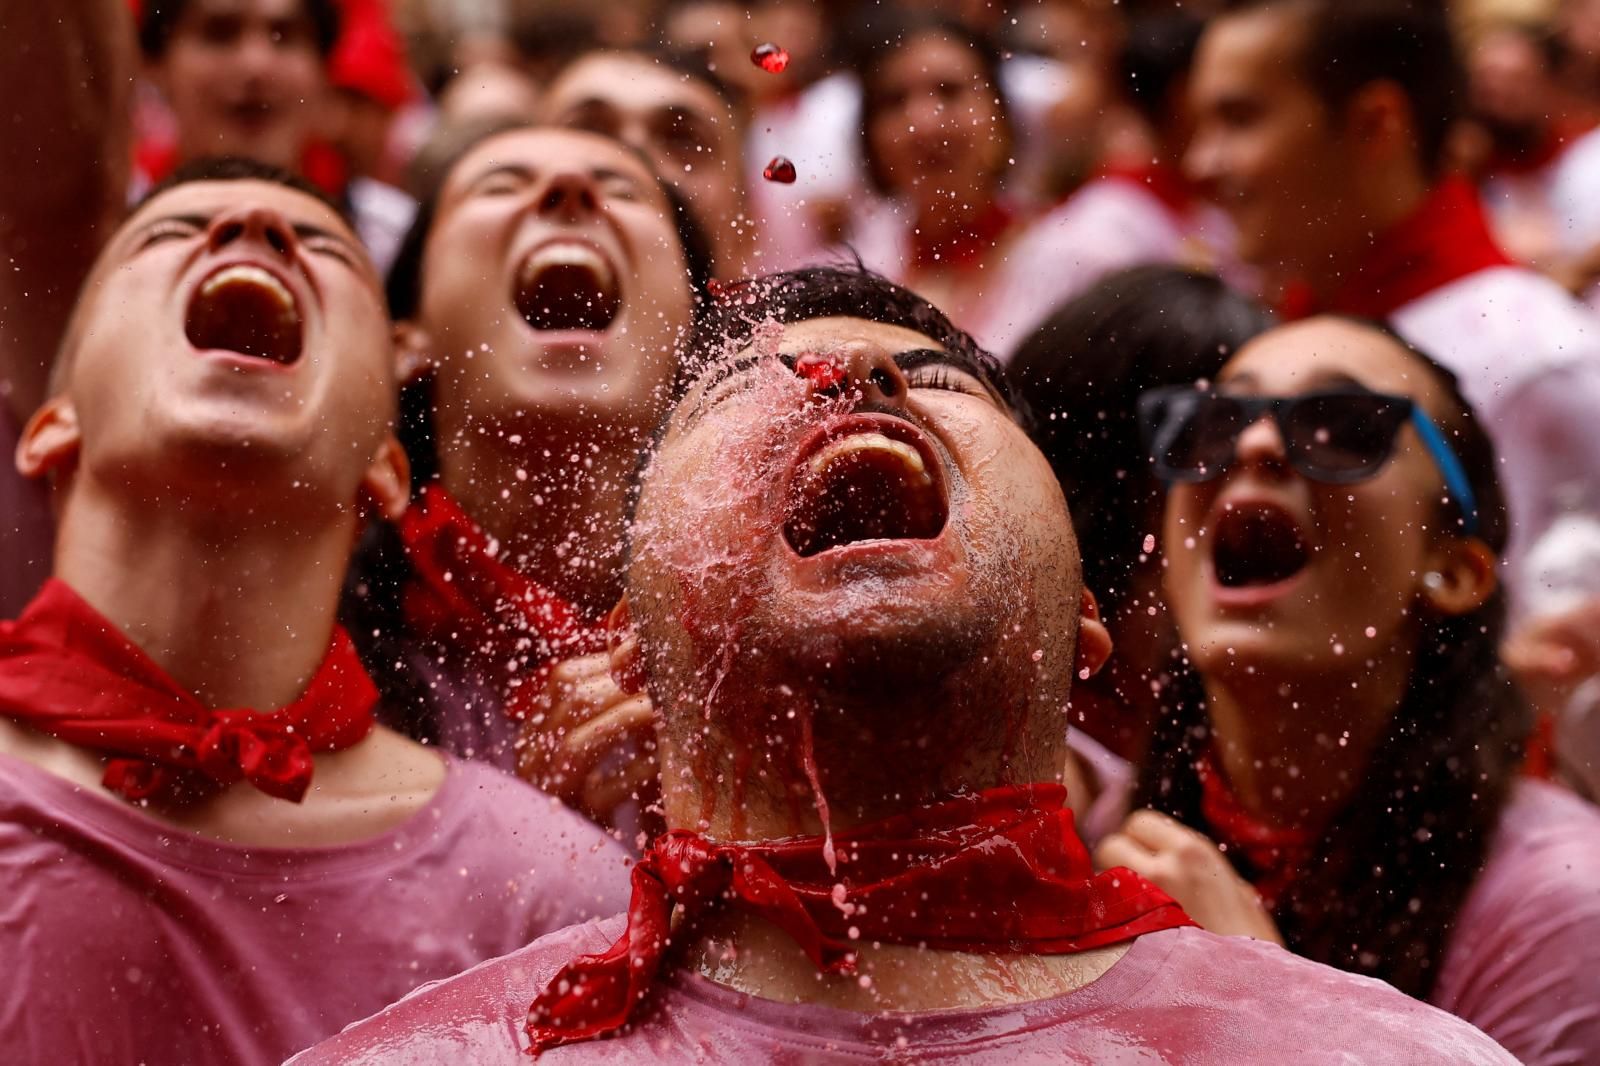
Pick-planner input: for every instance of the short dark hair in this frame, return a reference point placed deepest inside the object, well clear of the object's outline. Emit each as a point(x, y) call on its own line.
point(1156, 56)
point(1349, 44)
point(239, 168)
point(160, 18)
point(884, 37)
point(740, 308)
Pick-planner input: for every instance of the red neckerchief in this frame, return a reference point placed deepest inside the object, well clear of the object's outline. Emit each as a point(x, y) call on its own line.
point(1276, 855)
point(67, 671)
point(460, 590)
point(966, 247)
point(1162, 182)
point(1000, 871)
point(1445, 239)
point(1557, 136)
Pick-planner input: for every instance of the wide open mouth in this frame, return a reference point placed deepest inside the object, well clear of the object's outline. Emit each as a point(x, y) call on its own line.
point(245, 309)
point(870, 480)
point(1256, 544)
point(567, 285)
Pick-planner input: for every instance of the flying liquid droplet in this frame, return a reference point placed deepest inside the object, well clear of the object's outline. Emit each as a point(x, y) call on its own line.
point(770, 57)
point(822, 371)
point(1149, 543)
point(780, 170)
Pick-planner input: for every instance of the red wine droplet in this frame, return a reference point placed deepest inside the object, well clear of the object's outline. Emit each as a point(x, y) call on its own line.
point(770, 57)
point(821, 371)
point(779, 170)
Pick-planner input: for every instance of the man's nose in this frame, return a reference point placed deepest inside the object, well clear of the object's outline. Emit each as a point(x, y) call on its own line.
point(569, 194)
point(863, 371)
point(254, 223)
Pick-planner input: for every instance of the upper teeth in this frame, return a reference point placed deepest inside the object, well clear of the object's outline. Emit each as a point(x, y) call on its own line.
point(860, 443)
point(245, 274)
point(567, 253)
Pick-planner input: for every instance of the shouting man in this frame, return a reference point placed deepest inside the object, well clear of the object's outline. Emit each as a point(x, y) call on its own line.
point(860, 609)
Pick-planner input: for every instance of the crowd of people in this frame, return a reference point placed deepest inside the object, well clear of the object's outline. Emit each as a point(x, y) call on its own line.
point(800, 531)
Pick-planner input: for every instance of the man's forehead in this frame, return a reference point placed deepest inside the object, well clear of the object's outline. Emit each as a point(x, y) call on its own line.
point(837, 331)
point(1250, 47)
point(632, 82)
point(276, 10)
point(536, 148)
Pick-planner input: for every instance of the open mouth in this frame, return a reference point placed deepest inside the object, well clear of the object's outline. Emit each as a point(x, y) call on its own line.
point(567, 285)
point(245, 309)
point(1257, 544)
point(865, 483)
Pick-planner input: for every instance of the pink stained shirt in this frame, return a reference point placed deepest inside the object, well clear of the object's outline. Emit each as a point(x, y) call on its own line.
point(1180, 996)
point(1524, 962)
point(125, 940)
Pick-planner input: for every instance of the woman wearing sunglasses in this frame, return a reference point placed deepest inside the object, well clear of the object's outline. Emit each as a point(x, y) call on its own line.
point(1348, 738)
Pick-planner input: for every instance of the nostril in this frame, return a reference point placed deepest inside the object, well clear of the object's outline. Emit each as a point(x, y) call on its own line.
point(229, 232)
point(278, 239)
point(884, 381)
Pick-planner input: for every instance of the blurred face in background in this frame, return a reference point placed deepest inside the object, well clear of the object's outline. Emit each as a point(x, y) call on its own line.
point(243, 77)
point(681, 123)
point(934, 122)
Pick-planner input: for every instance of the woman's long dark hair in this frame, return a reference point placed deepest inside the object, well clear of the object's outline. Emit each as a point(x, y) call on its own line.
point(1391, 872)
point(372, 608)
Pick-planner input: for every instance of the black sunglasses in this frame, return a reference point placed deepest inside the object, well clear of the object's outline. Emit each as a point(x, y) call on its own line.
point(1340, 436)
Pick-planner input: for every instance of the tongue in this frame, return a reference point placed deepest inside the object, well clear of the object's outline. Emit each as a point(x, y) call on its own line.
point(245, 317)
point(866, 495)
point(1257, 548)
point(567, 296)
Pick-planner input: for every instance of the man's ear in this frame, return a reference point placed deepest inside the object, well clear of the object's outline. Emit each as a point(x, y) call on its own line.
point(413, 347)
point(1094, 639)
point(1462, 573)
point(387, 482)
point(1380, 122)
point(51, 439)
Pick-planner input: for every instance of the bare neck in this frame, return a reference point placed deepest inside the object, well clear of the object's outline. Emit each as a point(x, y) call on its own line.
point(752, 956)
point(555, 500)
point(1295, 752)
point(238, 606)
point(1377, 206)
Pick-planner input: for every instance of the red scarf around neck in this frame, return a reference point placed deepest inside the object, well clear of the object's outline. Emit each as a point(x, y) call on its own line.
point(1444, 240)
point(67, 671)
point(1000, 871)
point(1276, 854)
point(460, 590)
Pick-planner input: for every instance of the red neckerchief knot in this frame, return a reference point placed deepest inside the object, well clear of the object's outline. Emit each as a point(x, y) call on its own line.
point(1000, 871)
point(67, 671)
point(1275, 855)
point(461, 594)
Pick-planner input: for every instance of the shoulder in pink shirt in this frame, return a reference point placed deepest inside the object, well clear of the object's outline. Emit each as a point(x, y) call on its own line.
point(126, 940)
point(1181, 997)
point(1524, 962)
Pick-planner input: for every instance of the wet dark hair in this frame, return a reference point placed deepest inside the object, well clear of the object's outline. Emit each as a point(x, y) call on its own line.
point(888, 34)
point(404, 284)
point(1390, 873)
point(1082, 371)
point(742, 307)
point(160, 18)
point(238, 168)
point(1349, 44)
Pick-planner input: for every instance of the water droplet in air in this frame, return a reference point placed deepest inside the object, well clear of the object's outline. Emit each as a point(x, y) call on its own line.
point(779, 170)
point(770, 57)
point(822, 371)
point(1149, 543)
